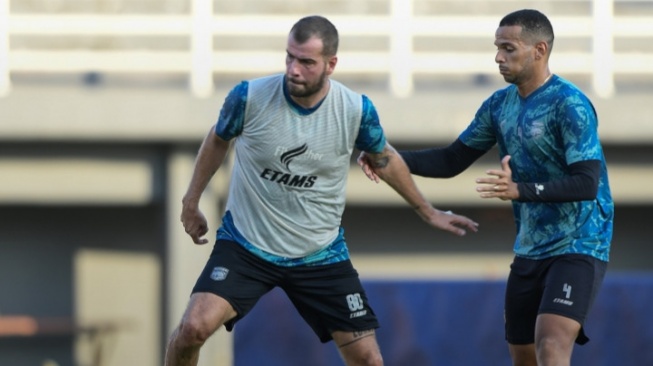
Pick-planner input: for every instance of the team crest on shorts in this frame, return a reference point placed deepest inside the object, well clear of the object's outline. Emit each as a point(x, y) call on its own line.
point(219, 273)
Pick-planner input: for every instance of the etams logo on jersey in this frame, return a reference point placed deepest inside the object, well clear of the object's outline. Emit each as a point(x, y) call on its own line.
point(301, 152)
point(286, 156)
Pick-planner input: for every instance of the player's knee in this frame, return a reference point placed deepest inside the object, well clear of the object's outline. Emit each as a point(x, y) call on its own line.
point(550, 349)
point(375, 359)
point(370, 358)
point(193, 333)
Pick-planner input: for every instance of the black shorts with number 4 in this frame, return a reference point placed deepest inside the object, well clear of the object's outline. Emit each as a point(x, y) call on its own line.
point(329, 297)
point(565, 285)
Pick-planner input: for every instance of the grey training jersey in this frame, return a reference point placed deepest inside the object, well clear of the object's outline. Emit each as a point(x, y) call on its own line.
point(287, 190)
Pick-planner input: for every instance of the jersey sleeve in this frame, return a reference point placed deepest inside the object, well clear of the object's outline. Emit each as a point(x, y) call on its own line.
point(232, 115)
point(480, 134)
point(370, 135)
point(579, 130)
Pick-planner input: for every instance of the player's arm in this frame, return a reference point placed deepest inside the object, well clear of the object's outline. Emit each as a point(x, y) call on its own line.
point(392, 169)
point(435, 162)
point(444, 162)
point(581, 184)
point(210, 157)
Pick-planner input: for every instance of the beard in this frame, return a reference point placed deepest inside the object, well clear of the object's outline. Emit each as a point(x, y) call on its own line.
point(305, 89)
point(510, 79)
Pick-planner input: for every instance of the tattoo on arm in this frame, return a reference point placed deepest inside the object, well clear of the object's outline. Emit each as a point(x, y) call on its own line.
point(382, 159)
point(381, 162)
point(357, 336)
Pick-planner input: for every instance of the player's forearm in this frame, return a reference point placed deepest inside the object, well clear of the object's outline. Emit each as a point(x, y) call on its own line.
point(581, 185)
point(209, 159)
point(441, 162)
point(391, 168)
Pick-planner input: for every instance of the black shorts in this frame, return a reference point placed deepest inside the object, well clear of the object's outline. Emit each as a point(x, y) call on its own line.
point(329, 297)
point(564, 285)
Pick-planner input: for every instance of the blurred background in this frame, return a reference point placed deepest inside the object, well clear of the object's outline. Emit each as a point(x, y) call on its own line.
point(104, 104)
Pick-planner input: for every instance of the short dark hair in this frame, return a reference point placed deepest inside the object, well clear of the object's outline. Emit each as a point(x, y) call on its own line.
point(320, 27)
point(535, 26)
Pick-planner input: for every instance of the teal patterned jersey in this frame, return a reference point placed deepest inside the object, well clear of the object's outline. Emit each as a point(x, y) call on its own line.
point(544, 133)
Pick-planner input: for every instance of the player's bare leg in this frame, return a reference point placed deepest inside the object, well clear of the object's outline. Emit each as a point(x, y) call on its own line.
point(523, 354)
point(204, 315)
point(358, 348)
point(554, 339)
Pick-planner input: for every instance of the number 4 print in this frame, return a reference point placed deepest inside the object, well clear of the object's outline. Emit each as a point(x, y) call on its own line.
point(567, 289)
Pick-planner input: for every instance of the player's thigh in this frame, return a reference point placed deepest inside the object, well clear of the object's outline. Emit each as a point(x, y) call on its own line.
point(562, 329)
point(330, 298)
point(522, 301)
point(206, 312)
point(571, 285)
point(234, 274)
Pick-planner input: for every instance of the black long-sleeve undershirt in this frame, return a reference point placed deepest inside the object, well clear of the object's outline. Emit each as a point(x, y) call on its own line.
point(444, 162)
point(580, 185)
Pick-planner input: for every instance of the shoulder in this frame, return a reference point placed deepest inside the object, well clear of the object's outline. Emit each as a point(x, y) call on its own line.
point(265, 82)
point(565, 91)
point(343, 91)
point(500, 95)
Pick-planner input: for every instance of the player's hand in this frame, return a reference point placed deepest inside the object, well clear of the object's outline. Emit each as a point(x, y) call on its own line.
point(501, 186)
point(449, 221)
point(195, 224)
point(364, 162)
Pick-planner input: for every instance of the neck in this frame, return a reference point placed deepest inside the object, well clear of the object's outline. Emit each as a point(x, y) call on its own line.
point(545, 80)
point(530, 87)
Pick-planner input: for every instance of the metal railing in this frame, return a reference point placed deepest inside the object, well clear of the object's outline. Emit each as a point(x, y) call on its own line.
point(400, 61)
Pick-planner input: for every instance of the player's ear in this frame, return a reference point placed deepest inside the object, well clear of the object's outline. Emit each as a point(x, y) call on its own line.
point(541, 50)
point(331, 64)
